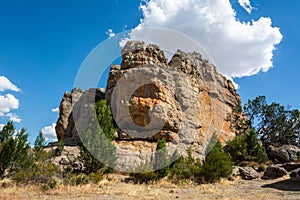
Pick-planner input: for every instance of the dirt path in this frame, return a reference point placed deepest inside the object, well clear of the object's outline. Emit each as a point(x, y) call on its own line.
point(279, 189)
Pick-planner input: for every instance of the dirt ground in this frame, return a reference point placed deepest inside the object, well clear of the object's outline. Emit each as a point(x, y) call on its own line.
point(279, 189)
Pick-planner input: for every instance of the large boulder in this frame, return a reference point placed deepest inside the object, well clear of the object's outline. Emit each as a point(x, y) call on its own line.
point(283, 154)
point(274, 171)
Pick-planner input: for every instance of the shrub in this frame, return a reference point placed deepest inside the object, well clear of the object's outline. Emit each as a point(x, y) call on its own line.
point(217, 165)
point(81, 179)
point(246, 147)
point(186, 168)
point(40, 173)
point(145, 174)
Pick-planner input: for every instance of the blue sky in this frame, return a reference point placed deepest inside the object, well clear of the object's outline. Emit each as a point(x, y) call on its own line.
point(43, 43)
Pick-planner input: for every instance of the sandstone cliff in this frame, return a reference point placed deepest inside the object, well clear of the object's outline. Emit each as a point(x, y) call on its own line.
point(185, 101)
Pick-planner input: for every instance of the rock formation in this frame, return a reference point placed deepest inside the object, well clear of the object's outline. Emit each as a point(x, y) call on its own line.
point(186, 101)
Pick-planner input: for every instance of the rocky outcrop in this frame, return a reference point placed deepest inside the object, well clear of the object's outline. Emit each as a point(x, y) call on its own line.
point(186, 101)
point(73, 112)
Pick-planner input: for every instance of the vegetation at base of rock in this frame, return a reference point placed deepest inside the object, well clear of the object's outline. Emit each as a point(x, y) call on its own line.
point(152, 172)
point(186, 168)
point(246, 147)
point(97, 151)
point(14, 149)
point(217, 165)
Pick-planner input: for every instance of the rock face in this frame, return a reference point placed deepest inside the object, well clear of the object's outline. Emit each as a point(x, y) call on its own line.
point(186, 101)
point(73, 110)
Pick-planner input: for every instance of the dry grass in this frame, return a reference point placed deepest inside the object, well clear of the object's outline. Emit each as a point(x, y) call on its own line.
point(116, 189)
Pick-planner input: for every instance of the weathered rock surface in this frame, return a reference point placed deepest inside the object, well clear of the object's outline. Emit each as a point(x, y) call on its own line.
point(67, 159)
point(74, 112)
point(187, 94)
point(295, 174)
point(273, 172)
point(289, 166)
point(186, 101)
point(248, 173)
point(285, 153)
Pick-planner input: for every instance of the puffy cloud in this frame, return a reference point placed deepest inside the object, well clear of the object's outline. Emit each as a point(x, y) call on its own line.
point(55, 110)
point(13, 117)
point(49, 132)
point(237, 48)
point(5, 84)
point(8, 102)
point(110, 33)
point(246, 5)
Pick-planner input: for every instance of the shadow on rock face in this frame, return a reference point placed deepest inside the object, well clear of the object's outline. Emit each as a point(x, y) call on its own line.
point(286, 185)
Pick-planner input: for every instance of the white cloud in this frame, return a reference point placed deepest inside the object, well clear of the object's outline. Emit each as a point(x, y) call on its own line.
point(5, 84)
point(49, 132)
point(55, 110)
point(8, 102)
point(236, 48)
point(13, 117)
point(110, 33)
point(246, 5)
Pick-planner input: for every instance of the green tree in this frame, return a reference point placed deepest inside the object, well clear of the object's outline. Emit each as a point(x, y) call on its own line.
point(246, 147)
point(274, 123)
point(40, 142)
point(217, 165)
point(162, 160)
point(97, 150)
point(14, 149)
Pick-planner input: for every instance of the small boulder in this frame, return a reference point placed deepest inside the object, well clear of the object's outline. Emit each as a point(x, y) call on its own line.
point(248, 173)
point(295, 174)
point(273, 172)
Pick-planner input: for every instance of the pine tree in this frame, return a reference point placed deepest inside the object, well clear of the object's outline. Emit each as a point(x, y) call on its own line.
point(97, 151)
point(14, 149)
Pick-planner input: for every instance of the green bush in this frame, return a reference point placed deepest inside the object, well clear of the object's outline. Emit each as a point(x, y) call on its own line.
point(145, 174)
point(40, 173)
point(14, 149)
point(81, 179)
point(187, 168)
point(217, 165)
point(246, 147)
